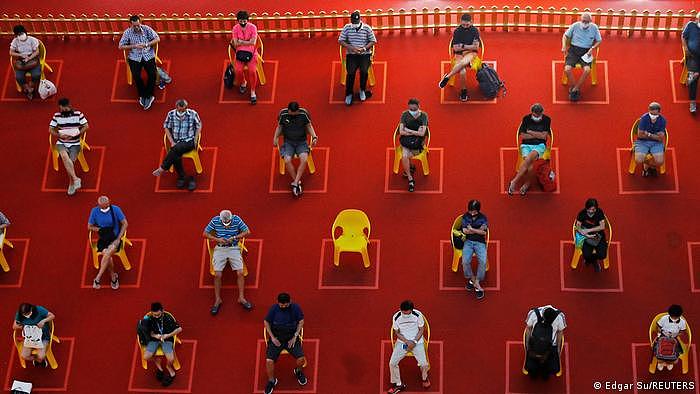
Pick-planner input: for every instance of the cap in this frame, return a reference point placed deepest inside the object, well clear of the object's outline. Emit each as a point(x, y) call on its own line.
point(466, 18)
point(355, 17)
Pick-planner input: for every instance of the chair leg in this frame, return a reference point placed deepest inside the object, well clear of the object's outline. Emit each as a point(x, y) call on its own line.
point(343, 73)
point(261, 73)
point(594, 74)
point(365, 257)
point(633, 164)
point(606, 262)
point(310, 163)
point(487, 265)
point(83, 163)
point(144, 363)
point(662, 168)
point(336, 256)
point(128, 242)
point(46, 66)
point(397, 159)
point(8, 243)
point(652, 365)
point(282, 167)
point(456, 254)
point(245, 269)
point(370, 76)
point(51, 359)
point(124, 259)
point(424, 163)
point(19, 88)
point(197, 163)
point(519, 162)
point(22, 362)
point(3, 263)
point(684, 75)
point(564, 79)
point(54, 159)
point(176, 362)
point(575, 259)
point(95, 258)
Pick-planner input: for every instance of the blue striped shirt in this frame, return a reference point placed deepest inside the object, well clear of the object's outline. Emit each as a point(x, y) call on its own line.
point(131, 37)
point(236, 227)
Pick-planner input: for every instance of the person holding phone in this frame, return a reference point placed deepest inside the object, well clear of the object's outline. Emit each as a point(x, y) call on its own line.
point(140, 41)
point(578, 43)
point(408, 325)
point(68, 126)
point(465, 45)
point(475, 227)
point(358, 39)
point(590, 234)
point(162, 329)
point(284, 323)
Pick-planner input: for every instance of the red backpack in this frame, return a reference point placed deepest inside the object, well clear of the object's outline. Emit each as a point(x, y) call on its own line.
point(545, 175)
point(666, 348)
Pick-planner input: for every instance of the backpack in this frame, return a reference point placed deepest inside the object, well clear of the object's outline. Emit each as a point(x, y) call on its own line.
point(228, 76)
point(489, 82)
point(545, 175)
point(666, 348)
point(143, 332)
point(540, 342)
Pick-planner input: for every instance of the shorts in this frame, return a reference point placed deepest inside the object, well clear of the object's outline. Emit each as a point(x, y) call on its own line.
point(273, 352)
point(573, 56)
point(693, 62)
point(230, 254)
point(409, 153)
point(72, 150)
point(294, 148)
point(647, 146)
point(166, 346)
point(526, 149)
point(102, 246)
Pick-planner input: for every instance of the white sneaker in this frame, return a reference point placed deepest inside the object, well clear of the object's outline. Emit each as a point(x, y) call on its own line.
point(348, 99)
point(148, 103)
point(659, 366)
point(74, 186)
point(669, 366)
point(363, 96)
point(693, 107)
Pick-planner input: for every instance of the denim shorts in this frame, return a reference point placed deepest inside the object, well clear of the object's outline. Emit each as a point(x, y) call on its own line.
point(526, 149)
point(152, 347)
point(648, 146)
point(294, 148)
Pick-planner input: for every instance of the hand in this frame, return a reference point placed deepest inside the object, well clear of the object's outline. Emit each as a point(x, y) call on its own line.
point(172, 142)
point(141, 46)
point(274, 143)
point(563, 49)
point(40, 324)
point(291, 342)
point(275, 341)
point(411, 344)
point(220, 240)
point(314, 140)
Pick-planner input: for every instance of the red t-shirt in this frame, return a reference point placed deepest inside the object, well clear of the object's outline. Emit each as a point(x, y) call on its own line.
point(246, 33)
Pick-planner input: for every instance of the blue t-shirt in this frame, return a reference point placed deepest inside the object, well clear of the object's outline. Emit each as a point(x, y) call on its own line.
point(475, 222)
point(40, 314)
point(236, 227)
point(691, 34)
point(646, 124)
point(583, 38)
point(104, 219)
point(284, 322)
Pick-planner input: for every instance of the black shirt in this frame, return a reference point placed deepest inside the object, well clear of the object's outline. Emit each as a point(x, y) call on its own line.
point(465, 36)
point(590, 222)
point(294, 126)
point(545, 124)
point(165, 324)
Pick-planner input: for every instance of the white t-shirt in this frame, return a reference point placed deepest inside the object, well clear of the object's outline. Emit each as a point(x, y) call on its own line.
point(26, 47)
point(559, 323)
point(408, 325)
point(669, 328)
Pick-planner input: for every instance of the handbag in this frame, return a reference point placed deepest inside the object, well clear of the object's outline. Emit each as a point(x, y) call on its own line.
point(412, 142)
point(458, 239)
point(21, 65)
point(594, 241)
point(244, 56)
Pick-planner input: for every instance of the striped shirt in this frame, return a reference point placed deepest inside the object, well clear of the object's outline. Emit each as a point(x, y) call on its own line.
point(357, 37)
point(182, 128)
point(73, 120)
point(3, 219)
point(236, 227)
point(131, 37)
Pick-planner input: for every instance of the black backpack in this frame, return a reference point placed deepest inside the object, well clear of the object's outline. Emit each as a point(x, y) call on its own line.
point(489, 82)
point(143, 331)
point(540, 342)
point(228, 76)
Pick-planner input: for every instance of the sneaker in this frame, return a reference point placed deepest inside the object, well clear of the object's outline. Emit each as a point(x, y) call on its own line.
point(363, 96)
point(253, 100)
point(669, 366)
point(142, 101)
point(693, 107)
point(115, 283)
point(480, 294)
point(651, 171)
point(180, 183)
point(574, 95)
point(597, 267)
point(161, 84)
point(159, 375)
point(645, 172)
point(148, 102)
point(167, 380)
point(659, 366)
point(301, 378)
point(191, 184)
point(470, 285)
point(397, 388)
point(463, 95)
point(270, 386)
point(242, 88)
point(74, 186)
point(45, 364)
point(443, 81)
point(691, 78)
point(348, 99)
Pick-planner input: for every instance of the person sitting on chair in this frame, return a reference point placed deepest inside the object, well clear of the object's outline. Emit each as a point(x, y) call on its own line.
point(68, 126)
point(140, 39)
point(650, 139)
point(408, 325)
point(25, 52)
point(243, 38)
point(182, 127)
point(30, 318)
point(465, 45)
point(543, 335)
point(590, 233)
point(4, 223)
point(358, 39)
point(534, 129)
point(283, 323)
point(475, 228)
point(413, 127)
point(109, 222)
point(162, 329)
point(670, 328)
point(578, 43)
point(691, 46)
point(294, 123)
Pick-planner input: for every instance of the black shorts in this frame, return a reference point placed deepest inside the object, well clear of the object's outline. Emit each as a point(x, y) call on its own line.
point(273, 352)
point(573, 56)
point(102, 246)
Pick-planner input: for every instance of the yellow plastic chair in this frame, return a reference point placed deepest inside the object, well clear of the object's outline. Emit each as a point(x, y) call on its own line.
point(121, 253)
point(241, 245)
point(344, 71)
point(129, 77)
point(577, 247)
point(594, 67)
point(355, 236)
point(422, 156)
point(3, 261)
point(262, 80)
point(649, 159)
point(561, 347)
point(477, 60)
point(159, 352)
point(426, 339)
point(284, 351)
point(19, 344)
point(457, 253)
point(193, 154)
point(684, 74)
point(653, 328)
point(309, 160)
point(81, 157)
point(42, 61)
point(547, 150)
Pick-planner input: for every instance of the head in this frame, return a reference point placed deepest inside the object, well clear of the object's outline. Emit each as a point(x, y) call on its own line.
point(549, 315)
point(226, 217)
point(474, 207)
point(654, 110)
point(293, 108)
point(466, 20)
point(135, 21)
point(64, 105)
point(406, 307)
point(26, 309)
point(156, 309)
point(413, 106)
point(283, 300)
point(20, 32)
point(242, 17)
point(675, 311)
point(591, 206)
point(355, 18)
point(586, 20)
point(181, 107)
point(536, 112)
point(103, 203)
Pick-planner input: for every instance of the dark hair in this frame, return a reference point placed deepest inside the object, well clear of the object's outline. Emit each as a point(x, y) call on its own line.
point(407, 305)
point(549, 315)
point(293, 106)
point(413, 101)
point(537, 108)
point(25, 308)
point(240, 15)
point(156, 307)
point(283, 298)
point(474, 205)
point(466, 18)
point(675, 310)
point(63, 102)
point(591, 202)
point(19, 29)
point(134, 18)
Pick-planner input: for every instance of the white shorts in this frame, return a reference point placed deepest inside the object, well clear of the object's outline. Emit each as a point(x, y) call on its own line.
point(232, 255)
point(418, 352)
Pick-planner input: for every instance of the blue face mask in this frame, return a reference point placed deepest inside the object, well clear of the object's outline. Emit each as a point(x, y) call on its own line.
point(413, 113)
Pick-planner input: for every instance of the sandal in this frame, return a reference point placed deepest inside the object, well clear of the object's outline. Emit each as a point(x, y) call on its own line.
point(524, 188)
point(215, 309)
point(247, 305)
point(411, 185)
point(168, 380)
point(115, 282)
point(511, 188)
point(253, 100)
point(242, 88)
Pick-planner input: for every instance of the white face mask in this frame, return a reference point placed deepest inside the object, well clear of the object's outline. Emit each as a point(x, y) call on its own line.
point(355, 25)
point(23, 37)
point(104, 210)
point(536, 118)
point(181, 114)
point(413, 113)
point(653, 117)
point(585, 25)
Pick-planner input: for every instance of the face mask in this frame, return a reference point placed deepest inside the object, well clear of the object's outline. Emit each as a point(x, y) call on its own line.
point(243, 24)
point(413, 113)
point(137, 29)
point(226, 224)
point(67, 113)
point(590, 214)
point(536, 118)
point(585, 25)
point(104, 210)
point(22, 37)
point(653, 117)
point(181, 114)
point(355, 25)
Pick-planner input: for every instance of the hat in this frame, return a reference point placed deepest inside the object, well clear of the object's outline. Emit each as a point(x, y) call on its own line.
point(466, 18)
point(355, 17)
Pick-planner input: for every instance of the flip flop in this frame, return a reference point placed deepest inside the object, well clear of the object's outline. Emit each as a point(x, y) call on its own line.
point(247, 305)
point(511, 188)
point(215, 309)
point(523, 189)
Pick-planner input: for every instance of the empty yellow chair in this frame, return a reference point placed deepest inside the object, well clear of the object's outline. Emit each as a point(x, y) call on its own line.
point(426, 339)
point(193, 154)
point(684, 74)
point(547, 151)
point(309, 160)
point(159, 352)
point(19, 344)
point(594, 67)
point(241, 245)
point(476, 62)
point(354, 237)
point(42, 61)
point(121, 253)
point(653, 328)
point(371, 80)
point(457, 253)
point(81, 157)
point(262, 80)
point(578, 245)
point(129, 77)
point(422, 156)
point(649, 159)
point(560, 347)
point(3, 261)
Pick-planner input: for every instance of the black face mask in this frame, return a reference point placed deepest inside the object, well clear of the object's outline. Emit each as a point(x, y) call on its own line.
point(67, 113)
point(243, 24)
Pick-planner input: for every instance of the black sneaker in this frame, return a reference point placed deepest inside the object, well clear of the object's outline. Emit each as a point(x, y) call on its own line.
point(480, 294)
point(167, 380)
point(597, 266)
point(191, 184)
point(397, 388)
point(463, 95)
point(652, 171)
point(645, 172)
point(295, 190)
point(443, 81)
point(300, 189)
point(180, 184)
point(470, 285)
point(574, 95)
point(270, 386)
point(45, 364)
point(301, 378)
point(160, 375)
point(161, 84)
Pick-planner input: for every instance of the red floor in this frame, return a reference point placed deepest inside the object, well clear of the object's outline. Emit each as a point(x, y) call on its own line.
point(476, 345)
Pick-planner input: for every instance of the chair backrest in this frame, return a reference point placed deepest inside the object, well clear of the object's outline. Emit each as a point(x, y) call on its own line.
point(482, 49)
point(607, 224)
point(653, 328)
point(42, 52)
point(4, 235)
point(426, 332)
point(395, 137)
point(549, 143)
point(353, 222)
point(635, 129)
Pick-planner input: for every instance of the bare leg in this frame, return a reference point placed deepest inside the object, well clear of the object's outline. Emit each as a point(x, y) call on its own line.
point(217, 287)
point(270, 367)
point(302, 166)
point(406, 164)
point(170, 357)
point(290, 168)
point(300, 362)
point(424, 371)
point(105, 263)
point(68, 164)
point(461, 64)
point(240, 280)
point(582, 79)
point(524, 168)
point(569, 74)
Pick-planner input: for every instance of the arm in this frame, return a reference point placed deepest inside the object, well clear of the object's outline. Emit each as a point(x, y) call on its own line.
point(124, 43)
point(276, 137)
point(243, 234)
point(537, 134)
point(310, 130)
point(169, 134)
point(565, 41)
point(16, 325)
point(273, 338)
point(83, 129)
point(403, 130)
point(212, 236)
point(300, 325)
point(122, 231)
point(580, 230)
point(45, 320)
point(172, 334)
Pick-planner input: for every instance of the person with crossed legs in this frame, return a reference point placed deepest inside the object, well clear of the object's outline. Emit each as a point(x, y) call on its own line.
point(109, 222)
point(283, 323)
point(465, 45)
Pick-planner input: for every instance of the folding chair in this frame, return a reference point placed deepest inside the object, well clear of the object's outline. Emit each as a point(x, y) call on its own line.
point(453, 59)
point(344, 71)
point(81, 156)
point(193, 154)
point(262, 80)
point(19, 344)
point(579, 245)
